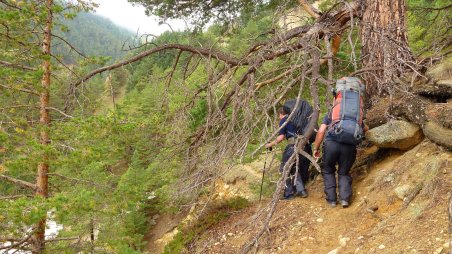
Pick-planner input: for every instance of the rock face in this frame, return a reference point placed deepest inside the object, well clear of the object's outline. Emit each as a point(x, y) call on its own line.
point(396, 134)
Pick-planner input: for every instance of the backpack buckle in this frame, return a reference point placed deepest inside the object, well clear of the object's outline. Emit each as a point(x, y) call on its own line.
point(338, 128)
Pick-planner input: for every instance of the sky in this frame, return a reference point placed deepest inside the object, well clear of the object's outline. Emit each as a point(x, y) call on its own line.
point(133, 18)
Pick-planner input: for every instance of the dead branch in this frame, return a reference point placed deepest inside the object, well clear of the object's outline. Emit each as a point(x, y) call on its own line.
point(300, 144)
point(432, 8)
point(412, 195)
point(340, 18)
point(201, 51)
point(310, 9)
point(19, 182)
point(311, 159)
point(20, 89)
point(59, 239)
point(14, 197)
point(17, 66)
point(70, 45)
point(170, 76)
point(37, 107)
point(79, 180)
point(278, 77)
point(18, 244)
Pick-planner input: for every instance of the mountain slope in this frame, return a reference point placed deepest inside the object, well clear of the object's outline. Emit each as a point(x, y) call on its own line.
point(92, 35)
point(417, 216)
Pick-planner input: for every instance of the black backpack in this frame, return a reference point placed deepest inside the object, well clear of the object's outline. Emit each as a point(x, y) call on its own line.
point(301, 117)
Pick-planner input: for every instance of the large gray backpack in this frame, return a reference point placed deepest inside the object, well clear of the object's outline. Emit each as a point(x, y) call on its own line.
point(347, 113)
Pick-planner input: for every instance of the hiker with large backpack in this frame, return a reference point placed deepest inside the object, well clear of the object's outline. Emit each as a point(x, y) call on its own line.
point(295, 183)
point(344, 128)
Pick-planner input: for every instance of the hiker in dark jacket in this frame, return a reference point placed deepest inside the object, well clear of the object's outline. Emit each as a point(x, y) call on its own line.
point(294, 185)
point(336, 151)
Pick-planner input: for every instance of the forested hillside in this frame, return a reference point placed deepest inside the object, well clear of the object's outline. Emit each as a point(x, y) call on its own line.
point(92, 35)
point(162, 148)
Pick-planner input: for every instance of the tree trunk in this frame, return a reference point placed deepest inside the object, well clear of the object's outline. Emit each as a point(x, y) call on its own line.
point(384, 44)
point(38, 239)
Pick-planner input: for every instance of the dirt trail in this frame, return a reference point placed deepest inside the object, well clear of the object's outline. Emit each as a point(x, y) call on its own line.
point(301, 225)
point(374, 223)
point(167, 225)
point(378, 220)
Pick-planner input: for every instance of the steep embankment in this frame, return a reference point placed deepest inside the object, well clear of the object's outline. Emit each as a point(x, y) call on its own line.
point(400, 206)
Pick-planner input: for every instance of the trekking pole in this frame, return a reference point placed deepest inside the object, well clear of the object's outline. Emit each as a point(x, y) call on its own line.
point(263, 171)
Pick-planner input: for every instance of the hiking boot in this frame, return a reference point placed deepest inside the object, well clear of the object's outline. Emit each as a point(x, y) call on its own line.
point(303, 194)
point(332, 204)
point(344, 204)
point(291, 196)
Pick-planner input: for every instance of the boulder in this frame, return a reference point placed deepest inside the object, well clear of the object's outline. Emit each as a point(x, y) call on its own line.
point(439, 81)
point(442, 70)
point(440, 89)
point(396, 134)
point(438, 134)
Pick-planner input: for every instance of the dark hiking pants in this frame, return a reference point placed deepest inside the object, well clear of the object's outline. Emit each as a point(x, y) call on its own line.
point(295, 183)
point(344, 155)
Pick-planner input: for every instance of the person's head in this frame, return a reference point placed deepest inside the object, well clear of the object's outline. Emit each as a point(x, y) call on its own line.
point(282, 112)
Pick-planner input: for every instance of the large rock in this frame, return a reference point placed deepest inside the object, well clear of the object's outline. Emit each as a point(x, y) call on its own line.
point(439, 83)
point(396, 134)
point(442, 70)
point(439, 134)
point(441, 89)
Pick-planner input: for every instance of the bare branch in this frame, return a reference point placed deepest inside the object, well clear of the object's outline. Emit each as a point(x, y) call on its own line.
point(70, 45)
point(432, 9)
point(37, 107)
point(311, 159)
point(19, 182)
point(63, 239)
point(79, 180)
point(170, 76)
point(201, 51)
point(278, 77)
point(60, 111)
point(20, 89)
point(14, 197)
point(310, 9)
point(18, 244)
point(17, 66)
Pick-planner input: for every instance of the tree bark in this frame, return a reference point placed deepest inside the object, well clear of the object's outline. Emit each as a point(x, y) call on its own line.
point(42, 181)
point(384, 44)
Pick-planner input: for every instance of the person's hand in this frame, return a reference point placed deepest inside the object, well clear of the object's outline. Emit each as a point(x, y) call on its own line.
point(316, 154)
point(268, 145)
